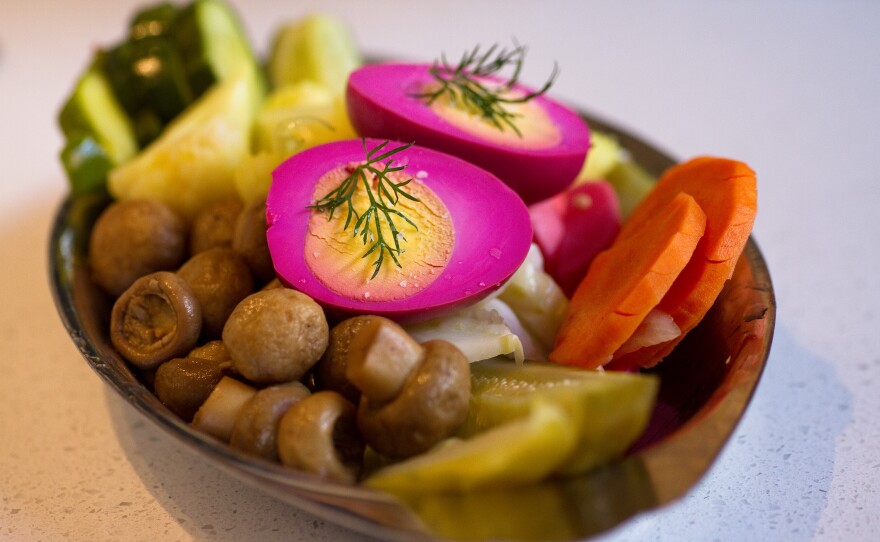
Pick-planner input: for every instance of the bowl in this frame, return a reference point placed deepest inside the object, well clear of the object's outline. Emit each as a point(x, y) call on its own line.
point(706, 385)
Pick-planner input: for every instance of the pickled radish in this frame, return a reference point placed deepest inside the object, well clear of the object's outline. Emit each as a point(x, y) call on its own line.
point(572, 227)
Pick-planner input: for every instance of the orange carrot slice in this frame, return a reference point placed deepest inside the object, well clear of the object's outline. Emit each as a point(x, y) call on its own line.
point(726, 190)
point(626, 281)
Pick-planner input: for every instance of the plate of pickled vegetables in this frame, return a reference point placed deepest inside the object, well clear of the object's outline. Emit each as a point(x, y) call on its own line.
point(419, 299)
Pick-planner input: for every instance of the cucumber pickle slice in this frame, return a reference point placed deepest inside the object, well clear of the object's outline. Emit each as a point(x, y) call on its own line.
point(134, 88)
point(86, 163)
point(93, 109)
point(523, 451)
point(97, 131)
point(153, 21)
point(529, 422)
point(609, 410)
point(148, 75)
point(212, 43)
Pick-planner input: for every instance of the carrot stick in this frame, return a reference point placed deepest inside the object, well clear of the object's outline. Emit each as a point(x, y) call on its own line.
point(626, 281)
point(727, 191)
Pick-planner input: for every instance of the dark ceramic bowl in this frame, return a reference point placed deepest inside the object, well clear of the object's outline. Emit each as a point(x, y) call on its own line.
point(706, 385)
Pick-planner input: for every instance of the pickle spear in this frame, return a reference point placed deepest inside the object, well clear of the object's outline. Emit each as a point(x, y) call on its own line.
point(609, 410)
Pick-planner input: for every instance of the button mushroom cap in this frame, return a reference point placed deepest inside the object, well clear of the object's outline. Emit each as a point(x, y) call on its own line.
point(319, 435)
point(329, 372)
point(220, 278)
point(256, 426)
point(183, 384)
point(407, 410)
point(275, 336)
point(249, 239)
point(132, 238)
point(274, 283)
point(214, 225)
point(156, 319)
point(212, 350)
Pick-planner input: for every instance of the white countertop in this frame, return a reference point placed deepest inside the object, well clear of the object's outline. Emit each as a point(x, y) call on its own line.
point(789, 87)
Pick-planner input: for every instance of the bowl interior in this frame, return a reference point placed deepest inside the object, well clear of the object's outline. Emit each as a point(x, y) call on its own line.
point(706, 385)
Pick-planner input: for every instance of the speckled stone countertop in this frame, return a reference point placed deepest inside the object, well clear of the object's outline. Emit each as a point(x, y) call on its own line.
point(789, 87)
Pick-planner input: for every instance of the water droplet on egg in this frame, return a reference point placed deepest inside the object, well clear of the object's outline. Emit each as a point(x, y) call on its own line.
point(582, 201)
point(495, 253)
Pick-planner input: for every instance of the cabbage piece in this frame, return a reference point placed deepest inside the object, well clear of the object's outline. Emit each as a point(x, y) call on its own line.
point(532, 348)
point(478, 331)
point(657, 327)
point(536, 299)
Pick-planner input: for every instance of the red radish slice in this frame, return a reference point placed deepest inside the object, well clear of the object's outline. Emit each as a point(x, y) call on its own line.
point(491, 225)
point(571, 228)
point(382, 103)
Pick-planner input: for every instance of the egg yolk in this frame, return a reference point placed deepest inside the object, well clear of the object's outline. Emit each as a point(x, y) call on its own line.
point(335, 255)
point(536, 130)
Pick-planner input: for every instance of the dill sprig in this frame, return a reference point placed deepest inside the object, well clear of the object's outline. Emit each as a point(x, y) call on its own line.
point(465, 87)
point(383, 197)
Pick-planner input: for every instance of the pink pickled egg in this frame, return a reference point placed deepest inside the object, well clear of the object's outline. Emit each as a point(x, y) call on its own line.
point(489, 238)
point(539, 163)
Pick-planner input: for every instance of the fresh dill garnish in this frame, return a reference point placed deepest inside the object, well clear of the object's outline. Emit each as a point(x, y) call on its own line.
point(465, 85)
point(383, 197)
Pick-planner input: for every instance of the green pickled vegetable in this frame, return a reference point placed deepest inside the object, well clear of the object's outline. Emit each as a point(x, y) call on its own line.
point(193, 163)
point(148, 75)
point(523, 451)
point(632, 183)
point(93, 109)
point(98, 132)
point(86, 163)
point(212, 42)
point(135, 88)
point(153, 21)
point(318, 48)
point(610, 410)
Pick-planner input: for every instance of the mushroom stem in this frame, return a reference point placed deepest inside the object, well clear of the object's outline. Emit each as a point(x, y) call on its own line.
point(412, 395)
point(218, 414)
point(380, 358)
